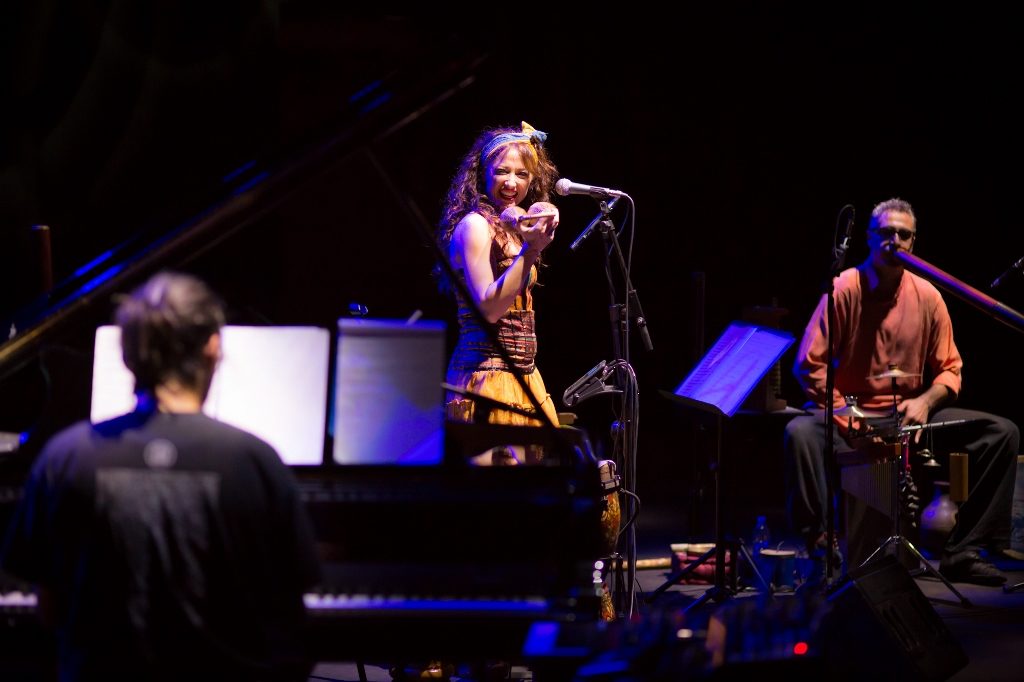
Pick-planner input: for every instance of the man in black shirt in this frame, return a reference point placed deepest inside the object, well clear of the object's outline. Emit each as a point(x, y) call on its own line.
point(166, 544)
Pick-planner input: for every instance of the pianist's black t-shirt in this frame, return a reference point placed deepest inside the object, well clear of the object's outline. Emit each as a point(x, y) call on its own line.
point(175, 547)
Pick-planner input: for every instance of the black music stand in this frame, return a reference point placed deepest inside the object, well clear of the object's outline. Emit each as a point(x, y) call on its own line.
point(719, 384)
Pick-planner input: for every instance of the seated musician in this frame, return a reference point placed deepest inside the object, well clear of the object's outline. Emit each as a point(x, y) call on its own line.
point(165, 544)
point(886, 316)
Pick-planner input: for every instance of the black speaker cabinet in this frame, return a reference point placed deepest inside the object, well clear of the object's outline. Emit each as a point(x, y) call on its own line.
point(880, 626)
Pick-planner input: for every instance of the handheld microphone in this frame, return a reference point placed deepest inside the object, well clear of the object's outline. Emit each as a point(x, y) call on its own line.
point(565, 187)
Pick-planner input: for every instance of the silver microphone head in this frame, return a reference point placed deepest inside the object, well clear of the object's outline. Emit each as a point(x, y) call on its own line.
point(562, 187)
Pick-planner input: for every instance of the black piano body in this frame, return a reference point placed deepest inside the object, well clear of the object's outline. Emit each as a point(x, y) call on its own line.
point(452, 561)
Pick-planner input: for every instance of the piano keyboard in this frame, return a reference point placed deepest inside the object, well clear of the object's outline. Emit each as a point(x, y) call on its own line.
point(18, 601)
point(352, 603)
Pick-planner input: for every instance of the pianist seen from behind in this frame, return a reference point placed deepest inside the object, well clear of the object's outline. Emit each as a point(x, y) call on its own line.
point(165, 544)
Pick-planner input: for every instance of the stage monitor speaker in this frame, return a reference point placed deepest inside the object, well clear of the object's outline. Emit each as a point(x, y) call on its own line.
point(880, 626)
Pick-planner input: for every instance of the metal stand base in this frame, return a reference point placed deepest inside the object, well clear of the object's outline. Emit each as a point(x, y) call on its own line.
point(719, 592)
point(899, 540)
point(619, 596)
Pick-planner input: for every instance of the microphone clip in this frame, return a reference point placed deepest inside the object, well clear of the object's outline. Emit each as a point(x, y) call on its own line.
point(1016, 267)
point(590, 384)
point(606, 209)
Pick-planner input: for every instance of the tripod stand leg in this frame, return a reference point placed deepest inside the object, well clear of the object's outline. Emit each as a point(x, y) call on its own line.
point(930, 569)
point(881, 548)
point(765, 585)
point(680, 574)
point(716, 593)
point(719, 591)
point(922, 562)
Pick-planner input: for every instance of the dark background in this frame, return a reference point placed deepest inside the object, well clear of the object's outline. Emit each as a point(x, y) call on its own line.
point(740, 136)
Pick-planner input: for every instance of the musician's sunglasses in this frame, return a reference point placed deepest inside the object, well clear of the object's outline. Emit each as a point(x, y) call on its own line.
point(888, 233)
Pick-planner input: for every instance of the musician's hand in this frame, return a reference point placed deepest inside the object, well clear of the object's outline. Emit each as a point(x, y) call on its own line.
point(914, 411)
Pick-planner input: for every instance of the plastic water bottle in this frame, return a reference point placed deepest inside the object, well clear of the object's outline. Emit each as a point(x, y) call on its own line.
point(762, 536)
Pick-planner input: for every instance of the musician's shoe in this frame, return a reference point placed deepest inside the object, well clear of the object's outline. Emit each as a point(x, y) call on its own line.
point(495, 671)
point(434, 670)
point(817, 546)
point(970, 567)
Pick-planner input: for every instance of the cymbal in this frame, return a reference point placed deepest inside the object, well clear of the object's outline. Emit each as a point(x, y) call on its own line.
point(859, 413)
point(894, 373)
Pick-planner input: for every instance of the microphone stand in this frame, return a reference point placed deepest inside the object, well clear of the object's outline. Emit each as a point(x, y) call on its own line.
point(621, 322)
point(837, 266)
point(624, 430)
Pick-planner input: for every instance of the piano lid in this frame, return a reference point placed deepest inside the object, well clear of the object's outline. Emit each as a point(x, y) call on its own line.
point(248, 108)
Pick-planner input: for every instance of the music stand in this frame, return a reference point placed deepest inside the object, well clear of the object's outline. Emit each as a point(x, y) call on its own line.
point(719, 384)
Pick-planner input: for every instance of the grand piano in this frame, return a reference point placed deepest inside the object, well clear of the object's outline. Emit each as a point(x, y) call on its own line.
point(446, 560)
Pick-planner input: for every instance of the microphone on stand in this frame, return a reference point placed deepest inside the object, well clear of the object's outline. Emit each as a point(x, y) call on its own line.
point(839, 250)
point(849, 228)
point(565, 187)
point(1013, 268)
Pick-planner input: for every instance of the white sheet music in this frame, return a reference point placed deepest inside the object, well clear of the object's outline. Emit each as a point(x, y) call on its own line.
point(730, 370)
point(388, 402)
point(271, 382)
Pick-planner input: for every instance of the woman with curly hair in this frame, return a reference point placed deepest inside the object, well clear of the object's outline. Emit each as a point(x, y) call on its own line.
point(494, 245)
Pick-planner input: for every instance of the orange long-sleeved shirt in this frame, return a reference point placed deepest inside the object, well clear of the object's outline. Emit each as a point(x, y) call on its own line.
point(912, 331)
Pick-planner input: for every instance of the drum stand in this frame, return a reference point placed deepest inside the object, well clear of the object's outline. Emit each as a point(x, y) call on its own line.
point(900, 466)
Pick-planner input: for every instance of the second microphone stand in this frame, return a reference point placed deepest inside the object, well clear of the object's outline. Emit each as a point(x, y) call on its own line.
point(624, 429)
point(838, 262)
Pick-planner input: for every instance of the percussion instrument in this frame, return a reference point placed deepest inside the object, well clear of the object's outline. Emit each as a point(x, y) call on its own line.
point(857, 412)
point(611, 512)
point(883, 481)
point(611, 517)
point(890, 432)
point(893, 372)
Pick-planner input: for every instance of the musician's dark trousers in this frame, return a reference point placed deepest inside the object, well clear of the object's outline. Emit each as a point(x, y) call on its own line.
point(983, 520)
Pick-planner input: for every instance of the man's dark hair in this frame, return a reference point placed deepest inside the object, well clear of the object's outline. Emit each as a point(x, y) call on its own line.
point(165, 325)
